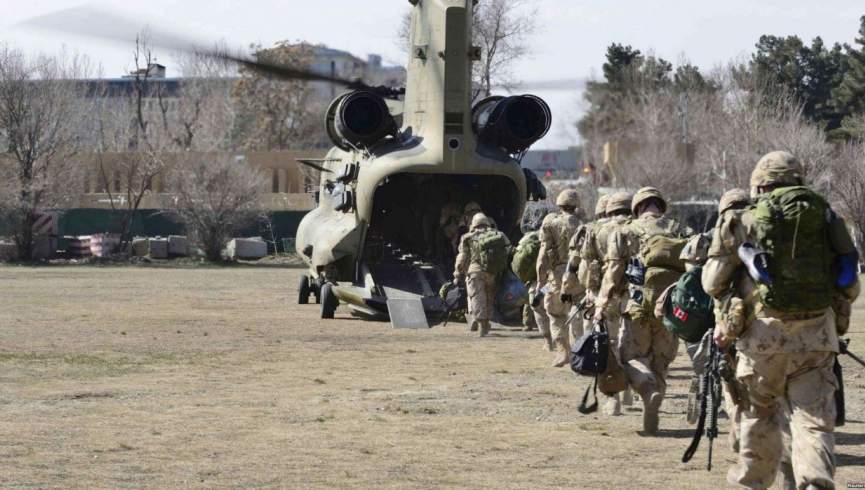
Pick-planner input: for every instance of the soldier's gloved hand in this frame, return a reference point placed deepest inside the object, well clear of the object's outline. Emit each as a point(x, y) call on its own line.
point(599, 314)
point(721, 338)
point(567, 298)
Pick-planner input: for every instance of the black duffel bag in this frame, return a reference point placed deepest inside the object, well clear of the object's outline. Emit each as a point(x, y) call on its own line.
point(589, 357)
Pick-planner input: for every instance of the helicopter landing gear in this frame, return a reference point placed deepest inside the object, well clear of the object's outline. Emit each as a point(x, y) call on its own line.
point(329, 302)
point(304, 290)
point(316, 291)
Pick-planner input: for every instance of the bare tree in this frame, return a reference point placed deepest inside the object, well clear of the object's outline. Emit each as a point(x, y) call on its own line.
point(143, 129)
point(41, 104)
point(276, 114)
point(502, 30)
point(214, 195)
point(848, 188)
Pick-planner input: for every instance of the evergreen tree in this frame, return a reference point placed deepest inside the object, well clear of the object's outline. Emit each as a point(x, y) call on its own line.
point(849, 96)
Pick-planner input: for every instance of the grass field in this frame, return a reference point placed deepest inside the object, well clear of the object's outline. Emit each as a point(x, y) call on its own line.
point(213, 377)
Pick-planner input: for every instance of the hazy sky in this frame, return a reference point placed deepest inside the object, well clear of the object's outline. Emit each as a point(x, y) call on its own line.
point(570, 43)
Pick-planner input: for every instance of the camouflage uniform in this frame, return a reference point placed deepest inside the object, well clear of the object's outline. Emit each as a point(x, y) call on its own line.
point(480, 284)
point(785, 360)
point(591, 271)
point(572, 283)
point(556, 232)
point(537, 313)
point(647, 348)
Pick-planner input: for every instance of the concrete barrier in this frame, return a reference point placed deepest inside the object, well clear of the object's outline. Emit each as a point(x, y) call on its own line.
point(246, 248)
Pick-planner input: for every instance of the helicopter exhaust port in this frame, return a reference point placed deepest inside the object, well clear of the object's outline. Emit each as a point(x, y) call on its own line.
point(511, 123)
point(359, 119)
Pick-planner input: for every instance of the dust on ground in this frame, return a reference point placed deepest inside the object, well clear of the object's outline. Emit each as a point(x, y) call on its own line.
point(213, 377)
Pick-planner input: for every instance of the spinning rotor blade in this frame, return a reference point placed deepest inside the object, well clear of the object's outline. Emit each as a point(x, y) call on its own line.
point(314, 164)
point(89, 22)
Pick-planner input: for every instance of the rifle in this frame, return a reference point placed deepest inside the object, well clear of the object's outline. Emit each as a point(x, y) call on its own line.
point(840, 409)
point(584, 306)
point(710, 402)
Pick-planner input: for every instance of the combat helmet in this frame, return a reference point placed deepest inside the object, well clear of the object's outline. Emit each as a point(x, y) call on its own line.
point(620, 201)
point(777, 168)
point(601, 206)
point(480, 220)
point(733, 198)
point(568, 198)
point(645, 194)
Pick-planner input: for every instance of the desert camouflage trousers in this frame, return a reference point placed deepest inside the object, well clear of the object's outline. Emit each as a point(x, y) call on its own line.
point(557, 315)
point(647, 350)
point(481, 289)
point(786, 388)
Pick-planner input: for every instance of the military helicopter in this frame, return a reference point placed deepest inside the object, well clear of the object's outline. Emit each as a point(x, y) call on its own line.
point(384, 184)
point(399, 157)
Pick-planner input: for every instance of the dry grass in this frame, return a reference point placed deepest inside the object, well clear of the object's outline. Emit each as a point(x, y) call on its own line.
point(140, 377)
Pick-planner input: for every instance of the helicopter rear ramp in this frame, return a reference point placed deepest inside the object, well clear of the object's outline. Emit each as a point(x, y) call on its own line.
point(409, 287)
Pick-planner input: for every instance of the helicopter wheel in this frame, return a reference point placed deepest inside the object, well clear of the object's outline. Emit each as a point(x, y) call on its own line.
point(303, 291)
point(316, 291)
point(329, 302)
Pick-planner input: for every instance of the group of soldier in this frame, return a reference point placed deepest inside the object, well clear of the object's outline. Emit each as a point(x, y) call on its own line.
point(784, 416)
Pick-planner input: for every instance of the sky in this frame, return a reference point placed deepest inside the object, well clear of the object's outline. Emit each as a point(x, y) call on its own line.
point(569, 45)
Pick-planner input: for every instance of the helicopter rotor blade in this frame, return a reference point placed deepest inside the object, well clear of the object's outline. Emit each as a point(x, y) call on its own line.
point(90, 22)
point(313, 164)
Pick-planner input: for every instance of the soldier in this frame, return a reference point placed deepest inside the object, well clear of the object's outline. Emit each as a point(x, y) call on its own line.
point(571, 283)
point(592, 253)
point(784, 326)
point(524, 266)
point(647, 348)
point(483, 255)
point(556, 233)
point(695, 254)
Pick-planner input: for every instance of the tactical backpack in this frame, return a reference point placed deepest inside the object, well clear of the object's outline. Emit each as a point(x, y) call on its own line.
point(526, 257)
point(657, 266)
point(490, 248)
point(688, 310)
point(791, 226)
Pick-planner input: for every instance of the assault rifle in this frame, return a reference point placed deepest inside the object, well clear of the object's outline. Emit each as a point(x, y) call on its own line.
point(584, 307)
point(710, 402)
point(840, 409)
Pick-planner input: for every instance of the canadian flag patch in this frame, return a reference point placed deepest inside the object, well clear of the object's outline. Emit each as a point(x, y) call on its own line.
point(680, 314)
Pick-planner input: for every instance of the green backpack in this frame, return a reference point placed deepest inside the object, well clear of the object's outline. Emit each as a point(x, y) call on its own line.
point(659, 254)
point(526, 257)
point(491, 248)
point(688, 310)
point(791, 225)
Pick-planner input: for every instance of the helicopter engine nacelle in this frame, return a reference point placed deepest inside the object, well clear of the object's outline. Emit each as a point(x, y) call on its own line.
point(512, 123)
point(359, 119)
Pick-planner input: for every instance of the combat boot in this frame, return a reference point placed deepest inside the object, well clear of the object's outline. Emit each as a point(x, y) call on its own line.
point(548, 343)
point(651, 407)
point(627, 397)
point(485, 328)
point(613, 407)
point(473, 326)
point(564, 353)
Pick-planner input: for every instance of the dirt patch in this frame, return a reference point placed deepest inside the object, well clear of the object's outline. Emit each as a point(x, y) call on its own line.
point(212, 377)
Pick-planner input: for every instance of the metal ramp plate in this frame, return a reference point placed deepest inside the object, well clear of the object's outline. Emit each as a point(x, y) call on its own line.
point(407, 312)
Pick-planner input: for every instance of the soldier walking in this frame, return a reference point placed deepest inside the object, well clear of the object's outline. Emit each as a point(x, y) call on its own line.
point(647, 348)
point(483, 256)
point(787, 335)
point(591, 272)
point(556, 233)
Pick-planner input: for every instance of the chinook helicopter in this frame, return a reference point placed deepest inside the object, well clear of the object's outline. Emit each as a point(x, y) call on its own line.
point(369, 242)
point(400, 157)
